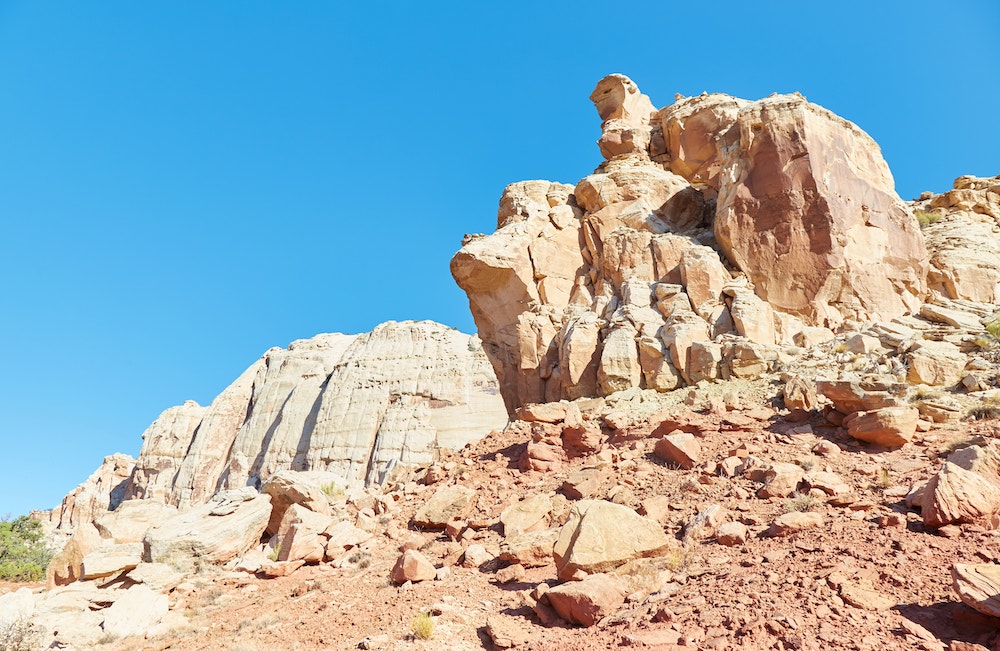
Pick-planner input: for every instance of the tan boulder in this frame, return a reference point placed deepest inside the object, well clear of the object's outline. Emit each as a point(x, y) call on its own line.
point(447, 504)
point(956, 494)
point(588, 601)
point(732, 534)
point(412, 566)
point(129, 522)
point(287, 488)
point(213, 533)
point(790, 206)
point(680, 448)
point(978, 586)
point(800, 393)
point(848, 396)
point(301, 534)
point(794, 522)
point(111, 559)
point(530, 549)
point(889, 427)
point(781, 480)
point(533, 513)
point(66, 565)
point(619, 368)
point(103, 491)
point(600, 535)
point(935, 363)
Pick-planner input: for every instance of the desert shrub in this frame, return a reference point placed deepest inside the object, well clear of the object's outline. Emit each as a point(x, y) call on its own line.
point(19, 635)
point(925, 218)
point(331, 489)
point(23, 555)
point(423, 626)
point(884, 479)
point(993, 328)
point(800, 502)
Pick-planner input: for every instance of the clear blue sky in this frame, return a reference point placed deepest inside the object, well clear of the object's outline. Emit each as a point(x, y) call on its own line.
point(186, 184)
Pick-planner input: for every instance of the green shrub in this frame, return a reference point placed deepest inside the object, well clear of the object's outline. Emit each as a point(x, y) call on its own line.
point(993, 328)
point(332, 489)
point(23, 555)
point(925, 218)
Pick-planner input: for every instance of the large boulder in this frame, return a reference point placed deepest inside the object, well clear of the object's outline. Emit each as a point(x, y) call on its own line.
point(104, 490)
point(587, 602)
point(599, 536)
point(286, 488)
point(978, 586)
point(807, 195)
point(129, 522)
point(212, 533)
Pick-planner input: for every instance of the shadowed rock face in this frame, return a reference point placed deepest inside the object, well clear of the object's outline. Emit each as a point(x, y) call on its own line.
point(353, 406)
point(715, 229)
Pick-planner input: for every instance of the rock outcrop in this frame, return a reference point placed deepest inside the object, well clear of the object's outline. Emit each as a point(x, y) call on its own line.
point(671, 263)
point(353, 406)
point(103, 491)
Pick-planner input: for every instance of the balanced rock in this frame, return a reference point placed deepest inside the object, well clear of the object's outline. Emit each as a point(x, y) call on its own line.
point(599, 536)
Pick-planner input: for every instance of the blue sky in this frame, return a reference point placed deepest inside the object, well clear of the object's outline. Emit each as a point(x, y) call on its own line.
point(186, 184)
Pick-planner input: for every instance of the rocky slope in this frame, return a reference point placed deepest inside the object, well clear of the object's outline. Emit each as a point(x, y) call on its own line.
point(753, 405)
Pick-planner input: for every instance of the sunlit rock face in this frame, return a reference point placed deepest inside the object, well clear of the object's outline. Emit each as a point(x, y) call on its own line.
point(353, 406)
point(712, 225)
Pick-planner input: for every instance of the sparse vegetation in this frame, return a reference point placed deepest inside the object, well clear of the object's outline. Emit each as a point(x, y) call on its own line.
point(807, 464)
point(985, 411)
point(679, 558)
point(423, 626)
point(332, 489)
point(925, 218)
point(884, 479)
point(23, 555)
point(800, 502)
point(107, 638)
point(993, 328)
point(275, 550)
point(19, 635)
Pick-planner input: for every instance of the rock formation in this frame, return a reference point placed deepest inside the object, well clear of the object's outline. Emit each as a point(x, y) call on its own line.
point(351, 406)
point(672, 262)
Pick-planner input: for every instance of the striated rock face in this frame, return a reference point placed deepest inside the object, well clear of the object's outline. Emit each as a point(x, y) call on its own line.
point(672, 262)
point(964, 245)
point(353, 406)
point(104, 490)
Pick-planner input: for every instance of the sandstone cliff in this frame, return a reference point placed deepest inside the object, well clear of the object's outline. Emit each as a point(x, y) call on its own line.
point(715, 230)
point(352, 406)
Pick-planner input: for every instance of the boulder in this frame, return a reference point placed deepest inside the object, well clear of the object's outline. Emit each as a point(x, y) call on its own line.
point(955, 494)
point(600, 535)
point(978, 586)
point(286, 488)
point(111, 559)
point(412, 566)
point(588, 601)
point(533, 513)
point(794, 522)
point(891, 427)
point(67, 564)
point(213, 533)
point(781, 480)
point(103, 491)
point(129, 522)
point(936, 363)
point(447, 504)
point(680, 448)
point(732, 534)
point(530, 549)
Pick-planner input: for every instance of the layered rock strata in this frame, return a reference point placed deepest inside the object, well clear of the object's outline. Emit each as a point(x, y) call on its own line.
point(715, 229)
point(350, 406)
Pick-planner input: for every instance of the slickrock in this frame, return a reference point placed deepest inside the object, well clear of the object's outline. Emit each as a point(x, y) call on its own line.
point(355, 406)
point(198, 537)
point(600, 535)
point(978, 586)
point(588, 601)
